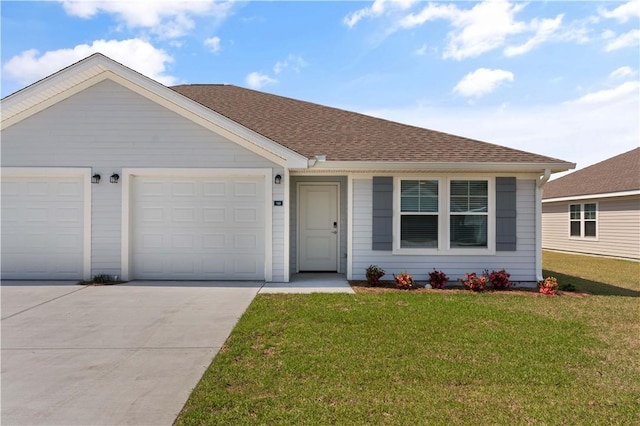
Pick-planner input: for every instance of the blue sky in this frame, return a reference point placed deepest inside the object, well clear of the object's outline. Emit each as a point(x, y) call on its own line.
point(559, 78)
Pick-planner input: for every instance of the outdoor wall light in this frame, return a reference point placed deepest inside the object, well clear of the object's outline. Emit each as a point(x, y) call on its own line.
point(114, 178)
point(278, 180)
point(95, 178)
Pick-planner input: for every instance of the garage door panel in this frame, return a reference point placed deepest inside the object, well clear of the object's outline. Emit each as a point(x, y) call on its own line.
point(42, 227)
point(205, 228)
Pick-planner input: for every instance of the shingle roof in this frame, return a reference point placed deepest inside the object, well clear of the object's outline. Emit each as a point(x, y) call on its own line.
point(311, 129)
point(616, 174)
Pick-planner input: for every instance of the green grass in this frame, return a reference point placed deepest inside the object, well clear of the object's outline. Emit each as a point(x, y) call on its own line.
point(428, 358)
point(595, 275)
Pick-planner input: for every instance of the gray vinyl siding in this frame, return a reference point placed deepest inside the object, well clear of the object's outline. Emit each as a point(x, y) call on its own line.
point(108, 127)
point(519, 263)
point(293, 218)
point(618, 228)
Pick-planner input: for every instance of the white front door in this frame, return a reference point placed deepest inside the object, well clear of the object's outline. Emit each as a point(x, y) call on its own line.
point(318, 227)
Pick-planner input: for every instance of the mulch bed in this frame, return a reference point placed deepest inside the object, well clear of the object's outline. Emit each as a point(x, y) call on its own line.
point(390, 287)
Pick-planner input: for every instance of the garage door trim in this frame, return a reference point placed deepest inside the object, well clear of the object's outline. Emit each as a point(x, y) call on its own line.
point(85, 174)
point(129, 173)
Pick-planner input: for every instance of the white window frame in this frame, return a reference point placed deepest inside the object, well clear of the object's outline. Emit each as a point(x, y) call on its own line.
point(444, 222)
point(582, 221)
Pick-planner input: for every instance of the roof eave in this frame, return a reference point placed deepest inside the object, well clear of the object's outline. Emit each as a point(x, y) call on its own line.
point(495, 167)
point(591, 196)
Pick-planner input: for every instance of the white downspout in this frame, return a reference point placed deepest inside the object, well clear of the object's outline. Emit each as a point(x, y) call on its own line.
point(539, 184)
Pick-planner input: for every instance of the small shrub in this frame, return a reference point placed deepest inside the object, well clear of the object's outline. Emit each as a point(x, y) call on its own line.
point(548, 286)
point(499, 279)
point(438, 279)
point(474, 282)
point(404, 281)
point(101, 278)
point(567, 287)
point(374, 273)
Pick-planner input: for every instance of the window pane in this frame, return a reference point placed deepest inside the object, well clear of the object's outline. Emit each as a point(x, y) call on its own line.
point(459, 204)
point(590, 212)
point(478, 187)
point(478, 204)
point(410, 188)
point(590, 228)
point(468, 231)
point(574, 212)
point(419, 196)
point(419, 231)
point(575, 228)
point(428, 188)
point(410, 204)
point(429, 204)
point(459, 187)
point(469, 196)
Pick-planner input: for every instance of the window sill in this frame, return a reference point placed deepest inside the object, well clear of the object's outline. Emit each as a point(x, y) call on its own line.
point(449, 252)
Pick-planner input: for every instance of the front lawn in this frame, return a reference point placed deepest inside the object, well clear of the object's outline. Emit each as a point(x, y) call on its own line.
point(427, 358)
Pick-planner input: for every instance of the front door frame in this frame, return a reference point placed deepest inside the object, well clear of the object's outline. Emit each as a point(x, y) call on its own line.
point(298, 228)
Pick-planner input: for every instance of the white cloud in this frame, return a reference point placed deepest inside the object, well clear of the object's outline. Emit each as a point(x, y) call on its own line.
point(378, 8)
point(481, 82)
point(294, 62)
point(480, 29)
point(575, 131)
point(623, 12)
point(622, 73)
point(213, 43)
point(610, 95)
point(629, 39)
point(422, 50)
point(167, 18)
point(256, 80)
point(30, 66)
point(545, 29)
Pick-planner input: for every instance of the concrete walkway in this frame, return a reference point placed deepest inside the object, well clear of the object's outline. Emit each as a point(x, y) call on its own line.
point(307, 282)
point(127, 354)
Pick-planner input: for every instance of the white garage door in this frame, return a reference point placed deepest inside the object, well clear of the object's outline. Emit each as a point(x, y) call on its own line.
point(42, 227)
point(198, 228)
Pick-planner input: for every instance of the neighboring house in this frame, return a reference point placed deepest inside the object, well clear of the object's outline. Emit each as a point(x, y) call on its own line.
point(105, 171)
point(595, 210)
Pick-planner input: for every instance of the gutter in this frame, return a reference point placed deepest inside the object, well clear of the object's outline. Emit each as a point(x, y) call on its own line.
point(387, 166)
point(538, 220)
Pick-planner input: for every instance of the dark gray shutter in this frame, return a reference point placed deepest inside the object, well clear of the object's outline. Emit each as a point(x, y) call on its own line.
point(382, 229)
point(506, 228)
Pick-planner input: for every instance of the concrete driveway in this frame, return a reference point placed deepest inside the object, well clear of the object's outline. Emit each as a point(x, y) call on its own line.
point(110, 355)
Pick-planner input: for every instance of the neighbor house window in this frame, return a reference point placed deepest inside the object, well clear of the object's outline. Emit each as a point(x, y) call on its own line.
point(575, 217)
point(468, 213)
point(583, 220)
point(419, 214)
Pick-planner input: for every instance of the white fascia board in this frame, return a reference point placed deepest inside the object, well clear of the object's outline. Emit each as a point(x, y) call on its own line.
point(384, 166)
point(97, 68)
point(592, 196)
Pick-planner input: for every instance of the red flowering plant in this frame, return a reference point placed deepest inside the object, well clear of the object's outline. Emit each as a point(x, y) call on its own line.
point(438, 279)
point(499, 279)
point(404, 281)
point(548, 286)
point(374, 273)
point(474, 282)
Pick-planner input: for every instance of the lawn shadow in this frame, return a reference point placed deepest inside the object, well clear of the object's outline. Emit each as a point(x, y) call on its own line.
point(592, 287)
